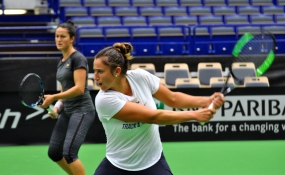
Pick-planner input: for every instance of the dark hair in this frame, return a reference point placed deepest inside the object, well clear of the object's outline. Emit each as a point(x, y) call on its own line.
point(69, 25)
point(117, 55)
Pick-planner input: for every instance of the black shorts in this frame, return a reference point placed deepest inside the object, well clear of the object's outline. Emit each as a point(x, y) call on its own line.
point(160, 168)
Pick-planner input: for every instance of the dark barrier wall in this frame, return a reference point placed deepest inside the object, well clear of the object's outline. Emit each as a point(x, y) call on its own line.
point(248, 114)
point(13, 70)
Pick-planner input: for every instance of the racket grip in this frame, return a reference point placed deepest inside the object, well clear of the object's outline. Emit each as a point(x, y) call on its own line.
point(210, 107)
point(51, 111)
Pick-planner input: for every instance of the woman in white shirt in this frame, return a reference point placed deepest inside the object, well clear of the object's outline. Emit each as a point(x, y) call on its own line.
point(126, 108)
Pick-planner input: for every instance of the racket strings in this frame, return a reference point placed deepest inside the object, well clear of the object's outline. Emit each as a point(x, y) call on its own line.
point(31, 91)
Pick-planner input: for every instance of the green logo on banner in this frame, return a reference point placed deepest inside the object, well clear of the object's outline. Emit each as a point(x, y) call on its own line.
point(159, 104)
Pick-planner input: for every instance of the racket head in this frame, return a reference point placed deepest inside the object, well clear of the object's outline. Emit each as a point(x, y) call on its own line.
point(253, 54)
point(31, 91)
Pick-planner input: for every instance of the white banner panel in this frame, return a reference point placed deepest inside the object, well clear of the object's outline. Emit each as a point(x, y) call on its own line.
point(249, 108)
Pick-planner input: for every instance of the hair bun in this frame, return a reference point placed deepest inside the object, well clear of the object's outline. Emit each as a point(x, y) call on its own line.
point(125, 49)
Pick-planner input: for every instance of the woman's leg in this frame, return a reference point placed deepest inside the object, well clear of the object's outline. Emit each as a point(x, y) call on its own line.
point(78, 127)
point(63, 164)
point(77, 168)
point(55, 151)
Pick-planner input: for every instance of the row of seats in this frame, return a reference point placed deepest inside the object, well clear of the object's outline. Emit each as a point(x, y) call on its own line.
point(138, 3)
point(168, 8)
point(177, 20)
point(209, 75)
point(150, 41)
point(221, 40)
point(171, 11)
point(146, 40)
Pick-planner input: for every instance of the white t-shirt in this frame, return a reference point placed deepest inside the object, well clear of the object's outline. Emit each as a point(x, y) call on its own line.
point(131, 146)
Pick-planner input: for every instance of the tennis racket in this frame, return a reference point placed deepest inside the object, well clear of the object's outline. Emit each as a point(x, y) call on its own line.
point(255, 47)
point(32, 91)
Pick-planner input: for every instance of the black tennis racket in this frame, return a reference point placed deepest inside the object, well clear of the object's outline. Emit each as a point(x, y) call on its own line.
point(32, 91)
point(255, 47)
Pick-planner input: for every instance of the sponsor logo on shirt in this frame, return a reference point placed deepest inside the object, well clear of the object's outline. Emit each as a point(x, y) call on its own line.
point(132, 125)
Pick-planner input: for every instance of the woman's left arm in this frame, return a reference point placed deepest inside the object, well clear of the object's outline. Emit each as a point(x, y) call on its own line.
point(79, 76)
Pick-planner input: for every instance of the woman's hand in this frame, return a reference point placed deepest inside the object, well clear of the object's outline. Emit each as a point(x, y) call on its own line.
point(204, 115)
point(217, 99)
point(48, 99)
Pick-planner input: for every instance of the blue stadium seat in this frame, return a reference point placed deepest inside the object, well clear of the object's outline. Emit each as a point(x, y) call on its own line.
point(223, 39)
point(262, 2)
point(68, 12)
point(83, 21)
point(69, 3)
point(134, 21)
point(121, 34)
point(238, 3)
point(75, 11)
point(101, 11)
point(236, 19)
point(159, 20)
point(109, 21)
point(273, 10)
point(240, 30)
point(226, 10)
point(200, 11)
point(126, 11)
point(166, 2)
point(92, 3)
point(191, 3)
point(172, 41)
point(211, 20)
point(142, 3)
point(151, 11)
point(262, 19)
point(175, 11)
point(90, 40)
point(215, 3)
point(116, 3)
point(248, 10)
point(145, 41)
point(185, 20)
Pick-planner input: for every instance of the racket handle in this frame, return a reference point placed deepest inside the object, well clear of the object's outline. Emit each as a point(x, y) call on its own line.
point(51, 111)
point(210, 107)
